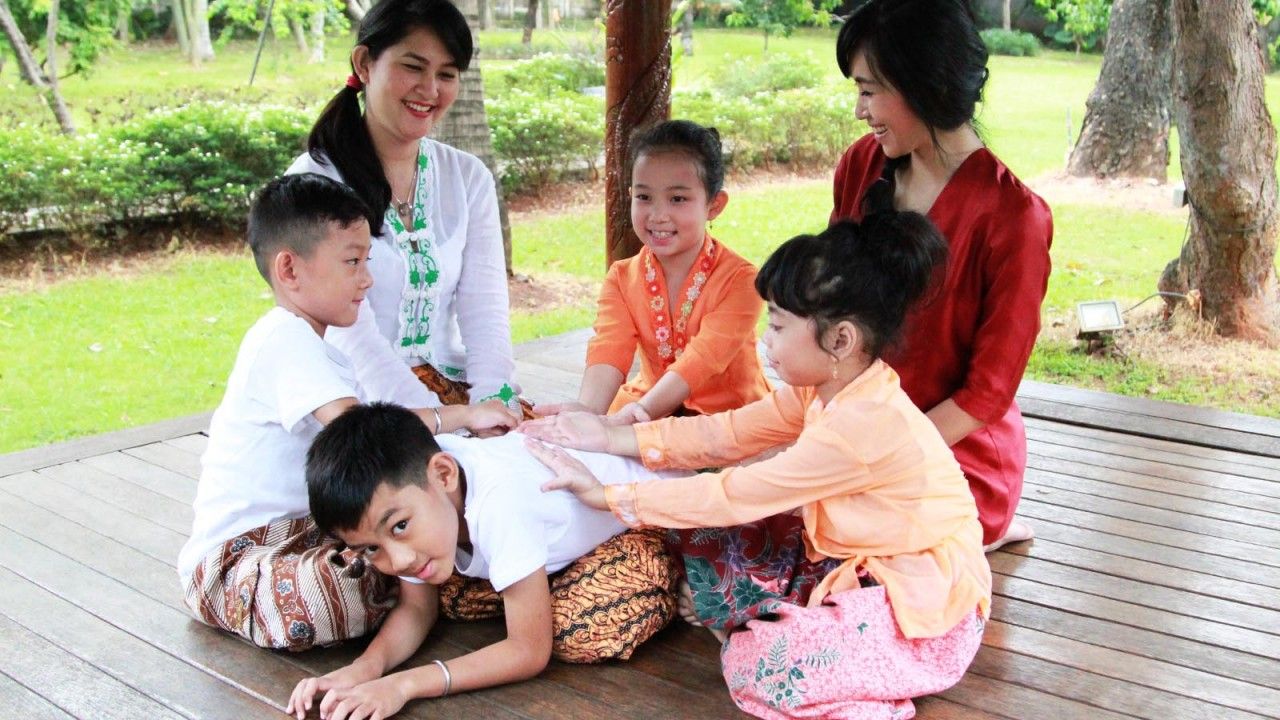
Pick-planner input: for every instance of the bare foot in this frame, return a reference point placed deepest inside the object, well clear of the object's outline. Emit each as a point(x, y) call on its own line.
point(684, 604)
point(1017, 532)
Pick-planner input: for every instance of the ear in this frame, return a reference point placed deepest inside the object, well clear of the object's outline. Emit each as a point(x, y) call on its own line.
point(716, 206)
point(284, 270)
point(360, 62)
point(442, 469)
point(843, 339)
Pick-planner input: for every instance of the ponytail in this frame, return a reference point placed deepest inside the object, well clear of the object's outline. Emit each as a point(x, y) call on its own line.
point(868, 273)
point(341, 138)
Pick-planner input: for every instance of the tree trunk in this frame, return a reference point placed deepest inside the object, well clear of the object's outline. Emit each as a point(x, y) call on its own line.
point(1006, 16)
point(485, 14)
point(122, 26)
point(55, 96)
point(357, 9)
point(466, 126)
point(197, 22)
point(299, 35)
point(1126, 125)
point(686, 32)
point(1228, 146)
point(637, 93)
point(317, 36)
point(530, 22)
point(27, 67)
point(180, 28)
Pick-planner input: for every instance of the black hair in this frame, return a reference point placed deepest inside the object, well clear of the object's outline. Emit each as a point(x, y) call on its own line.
point(293, 213)
point(340, 135)
point(701, 145)
point(868, 273)
point(357, 452)
point(930, 52)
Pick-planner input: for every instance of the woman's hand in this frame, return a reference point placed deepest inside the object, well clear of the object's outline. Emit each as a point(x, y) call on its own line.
point(490, 418)
point(579, 430)
point(549, 409)
point(349, 676)
point(630, 414)
point(571, 474)
point(373, 700)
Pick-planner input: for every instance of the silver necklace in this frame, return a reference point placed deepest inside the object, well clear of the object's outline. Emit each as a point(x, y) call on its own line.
point(404, 208)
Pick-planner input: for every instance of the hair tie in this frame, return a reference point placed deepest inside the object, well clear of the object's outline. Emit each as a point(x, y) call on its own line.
point(353, 82)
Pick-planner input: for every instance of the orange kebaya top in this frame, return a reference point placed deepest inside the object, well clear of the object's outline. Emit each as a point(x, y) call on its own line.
point(875, 483)
point(709, 339)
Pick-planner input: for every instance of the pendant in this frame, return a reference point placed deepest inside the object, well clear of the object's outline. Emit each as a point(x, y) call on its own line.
point(404, 208)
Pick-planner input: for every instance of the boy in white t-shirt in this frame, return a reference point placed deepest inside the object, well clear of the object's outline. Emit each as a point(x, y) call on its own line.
point(419, 507)
point(255, 564)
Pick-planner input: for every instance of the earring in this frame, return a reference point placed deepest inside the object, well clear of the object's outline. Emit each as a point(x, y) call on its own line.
point(835, 369)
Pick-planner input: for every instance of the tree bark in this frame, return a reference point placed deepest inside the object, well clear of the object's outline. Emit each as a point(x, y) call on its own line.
point(357, 9)
point(1228, 147)
point(530, 22)
point(180, 27)
point(686, 32)
point(1006, 16)
point(485, 14)
point(196, 21)
point(299, 35)
point(51, 60)
point(637, 93)
point(466, 126)
point(1126, 123)
point(316, 31)
point(27, 66)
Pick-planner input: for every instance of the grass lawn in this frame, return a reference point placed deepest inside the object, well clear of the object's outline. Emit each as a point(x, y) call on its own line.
point(113, 347)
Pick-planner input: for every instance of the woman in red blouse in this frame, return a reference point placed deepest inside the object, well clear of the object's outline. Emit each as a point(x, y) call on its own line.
point(920, 67)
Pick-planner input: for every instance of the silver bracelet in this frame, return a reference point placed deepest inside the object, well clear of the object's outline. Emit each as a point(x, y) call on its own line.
point(439, 423)
point(448, 678)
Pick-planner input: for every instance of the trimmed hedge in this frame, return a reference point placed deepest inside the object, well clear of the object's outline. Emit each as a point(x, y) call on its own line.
point(1010, 42)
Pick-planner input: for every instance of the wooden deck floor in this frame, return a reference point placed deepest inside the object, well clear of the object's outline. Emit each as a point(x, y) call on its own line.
point(1151, 591)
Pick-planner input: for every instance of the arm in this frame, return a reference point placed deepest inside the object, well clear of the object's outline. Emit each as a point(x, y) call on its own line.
point(612, 348)
point(953, 423)
point(400, 635)
point(666, 395)
point(380, 371)
point(482, 305)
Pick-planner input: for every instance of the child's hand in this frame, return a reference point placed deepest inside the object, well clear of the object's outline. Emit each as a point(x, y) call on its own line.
point(578, 430)
point(630, 414)
point(304, 694)
point(490, 418)
point(546, 409)
point(571, 474)
point(373, 700)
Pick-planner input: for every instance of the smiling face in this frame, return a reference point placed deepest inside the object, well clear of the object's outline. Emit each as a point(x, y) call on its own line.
point(897, 128)
point(411, 531)
point(669, 206)
point(408, 87)
point(327, 285)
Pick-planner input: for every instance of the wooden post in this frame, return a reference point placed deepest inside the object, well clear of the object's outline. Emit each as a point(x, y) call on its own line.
point(637, 93)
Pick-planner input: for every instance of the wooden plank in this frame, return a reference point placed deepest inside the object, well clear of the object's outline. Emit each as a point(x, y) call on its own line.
point(1202, 485)
point(161, 677)
point(1142, 425)
point(64, 680)
point(195, 443)
point(1155, 409)
point(144, 474)
point(1179, 684)
point(1017, 701)
point(1262, 539)
point(542, 384)
point(19, 702)
point(1105, 444)
point(1169, 648)
point(1242, 569)
point(47, 455)
point(1065, 680)
point(1031, 506)
point(134, 530)
point(1153, 574)
point(1137, 592)
point(110, 490)
point(1249, 640)
point(1174, 449)
point(170, 458)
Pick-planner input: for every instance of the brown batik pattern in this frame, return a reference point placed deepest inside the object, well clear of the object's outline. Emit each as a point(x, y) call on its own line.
point(279, 587)
point(457, 392)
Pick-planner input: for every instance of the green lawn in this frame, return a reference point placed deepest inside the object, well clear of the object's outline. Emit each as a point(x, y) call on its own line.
point(91, 355)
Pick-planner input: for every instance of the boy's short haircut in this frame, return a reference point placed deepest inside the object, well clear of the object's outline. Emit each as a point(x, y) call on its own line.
point(362, 448)
point(292, 213)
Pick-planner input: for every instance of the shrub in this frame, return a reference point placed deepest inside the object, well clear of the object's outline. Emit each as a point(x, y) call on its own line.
point(777, 71)
point(548, 74)
point(539, 138)
point(1010, 42)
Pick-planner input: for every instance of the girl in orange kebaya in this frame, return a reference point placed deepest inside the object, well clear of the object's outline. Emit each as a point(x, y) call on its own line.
point(686, 301)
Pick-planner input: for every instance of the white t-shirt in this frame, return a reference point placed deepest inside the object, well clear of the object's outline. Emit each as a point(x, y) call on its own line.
point(254, 469)
point(470, 336)
point(516, 528)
